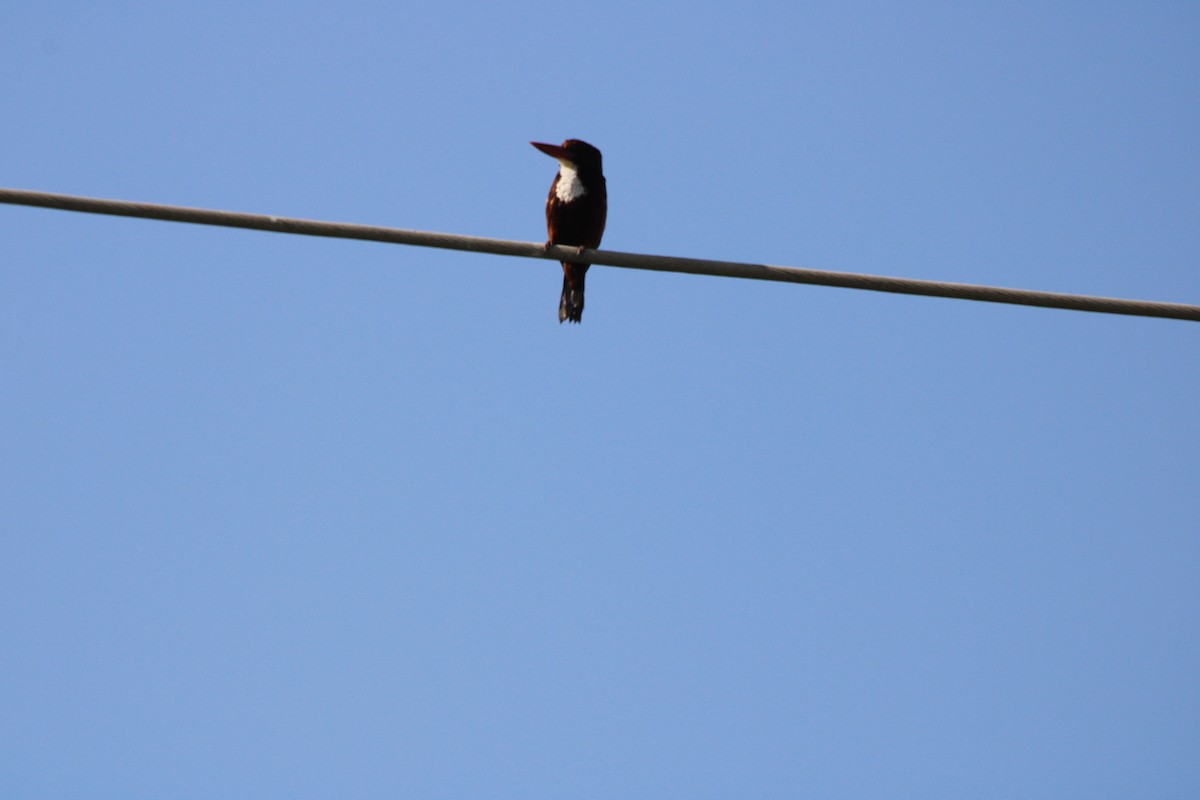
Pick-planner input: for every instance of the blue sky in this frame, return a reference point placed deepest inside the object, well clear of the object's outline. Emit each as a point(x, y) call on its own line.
point(289, 517)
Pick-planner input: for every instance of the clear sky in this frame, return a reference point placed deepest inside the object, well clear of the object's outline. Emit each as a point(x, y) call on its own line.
point(289, 518)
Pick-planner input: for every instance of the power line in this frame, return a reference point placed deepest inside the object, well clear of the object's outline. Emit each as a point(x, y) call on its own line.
point(611, 258)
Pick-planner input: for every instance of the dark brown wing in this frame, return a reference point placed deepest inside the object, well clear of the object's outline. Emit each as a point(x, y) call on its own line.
point(579, 222)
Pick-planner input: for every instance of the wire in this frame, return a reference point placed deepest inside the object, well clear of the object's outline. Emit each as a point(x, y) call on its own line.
point(611, 258)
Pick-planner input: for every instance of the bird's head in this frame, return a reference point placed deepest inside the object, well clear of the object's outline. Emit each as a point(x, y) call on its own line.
point(573, 153)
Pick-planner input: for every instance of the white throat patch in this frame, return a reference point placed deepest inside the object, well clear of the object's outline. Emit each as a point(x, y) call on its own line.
point(569, 186)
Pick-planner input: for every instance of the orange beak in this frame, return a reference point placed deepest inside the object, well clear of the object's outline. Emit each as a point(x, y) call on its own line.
point(552, 150)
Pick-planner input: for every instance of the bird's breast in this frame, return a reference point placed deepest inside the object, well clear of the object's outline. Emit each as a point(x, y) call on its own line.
point(568, 186)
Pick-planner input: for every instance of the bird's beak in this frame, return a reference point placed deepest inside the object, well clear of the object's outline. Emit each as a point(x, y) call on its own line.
point(552, 150)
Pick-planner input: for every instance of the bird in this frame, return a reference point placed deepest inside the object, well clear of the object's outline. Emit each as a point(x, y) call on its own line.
point(576, 210)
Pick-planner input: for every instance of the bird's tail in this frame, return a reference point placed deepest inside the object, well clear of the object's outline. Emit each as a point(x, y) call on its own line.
point(570, 305)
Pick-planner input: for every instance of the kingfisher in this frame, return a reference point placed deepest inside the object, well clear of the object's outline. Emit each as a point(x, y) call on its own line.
point(575, 213)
